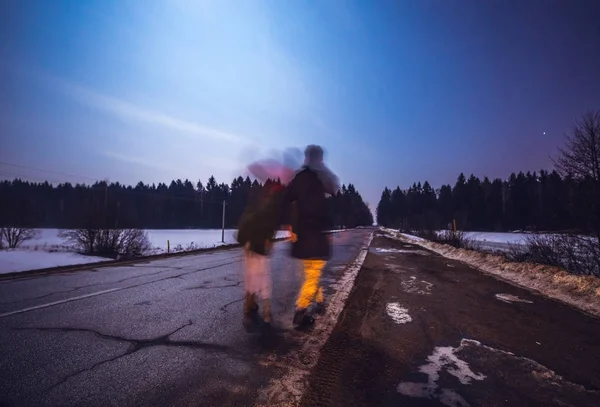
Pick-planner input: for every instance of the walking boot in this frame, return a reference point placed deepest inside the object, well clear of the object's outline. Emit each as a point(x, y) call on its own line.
point(250, 305)
point(302, 319)
point(250, 312)
point(320, 308)
point(266, 311)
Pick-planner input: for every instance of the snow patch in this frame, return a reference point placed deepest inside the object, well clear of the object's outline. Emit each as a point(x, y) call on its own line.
point(442, 359)
point(398, 313)
point(388, 250)
point(414, 286)
point(508, 298)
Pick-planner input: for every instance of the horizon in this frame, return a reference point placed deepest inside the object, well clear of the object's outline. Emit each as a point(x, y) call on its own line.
point(396, 93)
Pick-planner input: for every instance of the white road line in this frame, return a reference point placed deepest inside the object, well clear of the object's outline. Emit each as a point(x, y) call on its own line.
point(50, 304)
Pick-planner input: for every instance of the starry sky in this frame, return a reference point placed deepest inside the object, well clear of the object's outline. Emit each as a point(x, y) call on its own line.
point(395, 91)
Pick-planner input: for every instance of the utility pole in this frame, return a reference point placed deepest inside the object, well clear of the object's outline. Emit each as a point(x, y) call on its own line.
point(106, 203)
point(223, 224)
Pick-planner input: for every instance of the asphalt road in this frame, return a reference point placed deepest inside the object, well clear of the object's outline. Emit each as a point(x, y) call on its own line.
point(421, 330)
point(160, 333)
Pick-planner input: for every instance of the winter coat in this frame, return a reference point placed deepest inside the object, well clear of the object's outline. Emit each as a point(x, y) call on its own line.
point(312, 215)
point(260, 222)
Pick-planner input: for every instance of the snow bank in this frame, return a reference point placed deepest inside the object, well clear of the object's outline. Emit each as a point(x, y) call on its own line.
point(47, 249)
point(48, 239)
point(582, 292)
point(12, 261)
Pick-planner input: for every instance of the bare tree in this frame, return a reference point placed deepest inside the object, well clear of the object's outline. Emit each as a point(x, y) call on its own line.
point(14, 237)
point(83, 239)
point(580, 158)
point(122, 242)
point(108, 242)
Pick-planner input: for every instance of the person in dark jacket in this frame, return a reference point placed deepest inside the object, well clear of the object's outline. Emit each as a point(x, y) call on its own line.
point(311, 244)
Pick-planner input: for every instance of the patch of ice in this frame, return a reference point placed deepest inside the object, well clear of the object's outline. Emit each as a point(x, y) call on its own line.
point(442, 358)
point(509, 299)
point(398, 313)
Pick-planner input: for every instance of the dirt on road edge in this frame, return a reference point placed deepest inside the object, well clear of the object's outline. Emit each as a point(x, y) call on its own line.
point(288, 388)
point(582, 292)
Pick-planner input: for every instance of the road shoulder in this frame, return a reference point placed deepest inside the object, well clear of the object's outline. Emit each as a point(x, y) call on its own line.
point(419, 329)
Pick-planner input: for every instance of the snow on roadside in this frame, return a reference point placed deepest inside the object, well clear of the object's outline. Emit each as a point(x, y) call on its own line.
point(191, 239)
point(49, 240)
point(509, 298)
point(12, 261)
point(582, 292)
point(48, 249)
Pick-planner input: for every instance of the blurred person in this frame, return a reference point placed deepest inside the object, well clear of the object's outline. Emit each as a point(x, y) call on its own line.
point(256, 233)
point(257, 230)
point(310, 242)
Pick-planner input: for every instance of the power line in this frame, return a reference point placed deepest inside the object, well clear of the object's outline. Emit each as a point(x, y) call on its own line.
point(29, 177)
point(48, 171)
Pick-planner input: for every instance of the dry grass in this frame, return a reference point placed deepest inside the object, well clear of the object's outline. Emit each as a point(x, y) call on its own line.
point(582, 292)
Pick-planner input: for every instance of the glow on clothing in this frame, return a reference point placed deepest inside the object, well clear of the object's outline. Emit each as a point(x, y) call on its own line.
point(311, 289)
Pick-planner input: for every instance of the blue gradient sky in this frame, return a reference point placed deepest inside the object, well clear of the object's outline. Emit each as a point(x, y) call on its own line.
point(396, 91)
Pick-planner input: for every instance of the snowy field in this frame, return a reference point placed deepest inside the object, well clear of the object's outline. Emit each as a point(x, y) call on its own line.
point(49, 250)
point(497, 241)
point(489, 241)
point(14, 260)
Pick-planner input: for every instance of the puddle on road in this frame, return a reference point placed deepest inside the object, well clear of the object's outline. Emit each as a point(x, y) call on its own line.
point(398, 313)
point(509, 299)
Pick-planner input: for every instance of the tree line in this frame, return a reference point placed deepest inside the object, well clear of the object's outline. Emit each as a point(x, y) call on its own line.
point(179, 205)
point(542, 201)
point(565, 199)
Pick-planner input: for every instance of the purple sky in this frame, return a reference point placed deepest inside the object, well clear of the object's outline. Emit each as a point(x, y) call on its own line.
point(396, 91)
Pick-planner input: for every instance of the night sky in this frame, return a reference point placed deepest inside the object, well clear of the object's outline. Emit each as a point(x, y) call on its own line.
point(396, 91)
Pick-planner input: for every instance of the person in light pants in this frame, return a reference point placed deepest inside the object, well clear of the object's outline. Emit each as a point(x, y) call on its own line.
point(257, 230)
point(257, 282)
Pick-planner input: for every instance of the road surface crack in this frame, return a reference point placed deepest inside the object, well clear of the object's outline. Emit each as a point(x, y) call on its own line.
point(224, 307)
point(207, 287)
point(43, 296)
point(136, 345)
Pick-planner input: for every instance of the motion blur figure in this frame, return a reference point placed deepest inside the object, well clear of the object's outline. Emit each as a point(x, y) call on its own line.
point(257, 230)
point(311, 244)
